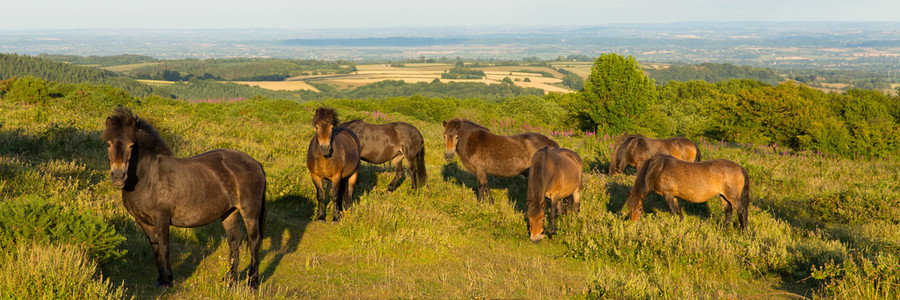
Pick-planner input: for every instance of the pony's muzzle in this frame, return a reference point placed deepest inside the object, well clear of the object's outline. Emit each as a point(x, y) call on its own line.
point(537, 237)
point(118, 176)
point(325, 149)
point(448, 155)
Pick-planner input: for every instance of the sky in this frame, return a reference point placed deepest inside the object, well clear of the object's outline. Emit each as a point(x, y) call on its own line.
point(334, 14)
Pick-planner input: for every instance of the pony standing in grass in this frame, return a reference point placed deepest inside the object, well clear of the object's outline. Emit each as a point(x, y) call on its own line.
point(484, 153)
point(160, 190)
point(393, 142)
point(555, 174)
point(695, 182)
point(632, 149)
point(333, 155)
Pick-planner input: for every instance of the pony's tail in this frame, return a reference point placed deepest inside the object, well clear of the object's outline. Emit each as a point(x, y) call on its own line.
point(614, 156)
point(536, 183)
point(745, 201)
point(698, 158)
point(421, 175)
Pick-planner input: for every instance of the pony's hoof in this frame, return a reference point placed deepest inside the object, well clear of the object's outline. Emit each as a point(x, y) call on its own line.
point(321, 221)
point(162, 285)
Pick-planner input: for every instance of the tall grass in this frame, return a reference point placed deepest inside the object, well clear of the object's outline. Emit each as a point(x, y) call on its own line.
point(34, 271)
point(820, 226)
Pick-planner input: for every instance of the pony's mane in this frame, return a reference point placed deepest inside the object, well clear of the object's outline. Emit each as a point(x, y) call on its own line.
point(123, 121)
point(326, 114)
point(467, 122)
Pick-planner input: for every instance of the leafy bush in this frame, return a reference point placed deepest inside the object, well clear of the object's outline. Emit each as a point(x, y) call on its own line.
point(44, 223)
point(35, 271)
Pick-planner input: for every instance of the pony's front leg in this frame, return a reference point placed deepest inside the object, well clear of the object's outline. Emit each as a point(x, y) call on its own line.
point(673, 205)
point(338, 206)
point(320, 197)
point(555, 209)
point(483, 189)
point(158, 236)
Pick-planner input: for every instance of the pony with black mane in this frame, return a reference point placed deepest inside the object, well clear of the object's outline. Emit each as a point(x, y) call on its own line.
point(632, 149)
point(555, 174)
point(394, 142)
point(485, 153)
point(692, 181)
point(333, 155)
point(160, 190)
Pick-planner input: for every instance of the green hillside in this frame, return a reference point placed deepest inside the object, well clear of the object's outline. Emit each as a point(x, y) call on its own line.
point(821, 226)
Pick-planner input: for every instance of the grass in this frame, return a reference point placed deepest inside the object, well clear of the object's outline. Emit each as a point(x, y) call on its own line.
point(820, 226)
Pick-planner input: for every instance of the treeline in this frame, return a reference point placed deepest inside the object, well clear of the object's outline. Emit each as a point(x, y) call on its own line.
point(462, 73)
point(13, 65)
point(711, 72)
point(240, 69)
point(100, 61)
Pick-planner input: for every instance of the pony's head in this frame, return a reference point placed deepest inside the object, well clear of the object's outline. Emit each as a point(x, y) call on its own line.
point(536, 226)
point(125, 133)
point(451, 137)
point(324, 122)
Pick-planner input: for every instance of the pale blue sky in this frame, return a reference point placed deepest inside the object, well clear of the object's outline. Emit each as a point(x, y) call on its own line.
point(186, 14)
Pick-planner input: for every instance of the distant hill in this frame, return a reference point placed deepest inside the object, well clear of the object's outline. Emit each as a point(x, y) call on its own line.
point(13, 65)
point(711, 72)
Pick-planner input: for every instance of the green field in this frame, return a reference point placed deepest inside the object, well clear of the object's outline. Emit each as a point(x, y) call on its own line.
point(820, 226)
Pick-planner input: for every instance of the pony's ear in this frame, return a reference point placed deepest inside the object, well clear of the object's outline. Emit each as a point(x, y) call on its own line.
point(108, 121)
point(445, 123)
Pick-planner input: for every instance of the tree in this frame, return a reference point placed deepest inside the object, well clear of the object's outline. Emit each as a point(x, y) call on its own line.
point(573, 81)
point(618, 97)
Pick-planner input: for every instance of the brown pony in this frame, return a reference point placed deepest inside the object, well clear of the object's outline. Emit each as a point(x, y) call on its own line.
point(392, 142)
point(484, 153)
point(632, 149)
point(333, 155)
point(695, 182)
point(555, 174)
point(160, 190)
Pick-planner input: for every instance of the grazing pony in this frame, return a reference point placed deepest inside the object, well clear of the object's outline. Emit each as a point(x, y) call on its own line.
point(393, 142)
point(555, 174)
point(484, 153)
point(632, 149)
point(333, 155)
point(695, 182)
point(160, 190)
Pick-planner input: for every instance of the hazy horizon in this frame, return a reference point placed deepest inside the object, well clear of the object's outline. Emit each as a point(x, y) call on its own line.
point(323, 15)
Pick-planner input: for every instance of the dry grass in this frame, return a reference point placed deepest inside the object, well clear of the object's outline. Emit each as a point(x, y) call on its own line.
point(156, 82)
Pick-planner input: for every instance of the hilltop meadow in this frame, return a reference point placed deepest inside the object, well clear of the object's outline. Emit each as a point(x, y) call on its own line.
point(822, 224)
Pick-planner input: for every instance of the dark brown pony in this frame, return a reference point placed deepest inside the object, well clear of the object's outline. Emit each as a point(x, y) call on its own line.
point(393, 142)
point(333, 155)
point(695, 182)
point(555, 174)
point(632, 149)
point(160, 190)
point(484, 153)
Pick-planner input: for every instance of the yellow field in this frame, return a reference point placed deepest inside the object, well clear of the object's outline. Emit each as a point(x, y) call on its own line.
point(280, 85)
point(580, 68)
point(126, 68)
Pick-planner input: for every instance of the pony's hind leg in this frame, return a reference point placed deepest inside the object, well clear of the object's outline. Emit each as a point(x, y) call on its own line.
point(576, 200)
point(398, 172)
point(728, 208)
point(254, 240)
point(349, 184)
point(233, 233)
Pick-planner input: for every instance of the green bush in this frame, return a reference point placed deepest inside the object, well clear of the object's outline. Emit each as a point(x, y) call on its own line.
point(29, 90)
point(43, 223)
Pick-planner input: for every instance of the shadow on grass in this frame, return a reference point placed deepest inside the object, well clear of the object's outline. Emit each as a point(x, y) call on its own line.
point(516, 187)
point(653, 202)
point(288, 217)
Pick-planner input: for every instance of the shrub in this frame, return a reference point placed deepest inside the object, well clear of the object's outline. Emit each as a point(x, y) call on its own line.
point(44, 223)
